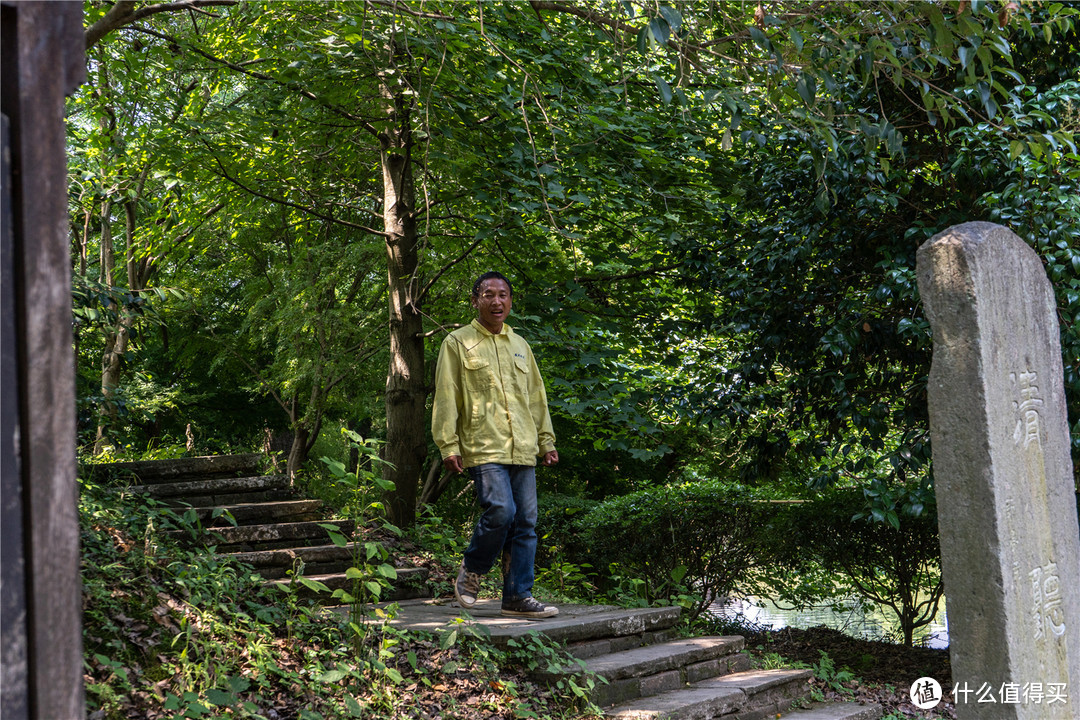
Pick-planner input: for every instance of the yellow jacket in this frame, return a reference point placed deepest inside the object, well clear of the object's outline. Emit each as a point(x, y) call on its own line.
point(490, 402)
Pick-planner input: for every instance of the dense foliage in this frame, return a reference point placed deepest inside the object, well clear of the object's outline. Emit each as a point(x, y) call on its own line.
point(835, 541)
point(709, 210)
point(701, 543)
point(688, 544)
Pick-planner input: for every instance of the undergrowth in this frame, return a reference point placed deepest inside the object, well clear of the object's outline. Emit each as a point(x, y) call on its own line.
point(171, 632)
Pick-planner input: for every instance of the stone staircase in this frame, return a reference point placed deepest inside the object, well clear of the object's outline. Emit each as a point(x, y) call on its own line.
point(649, 671)
point(276, 531)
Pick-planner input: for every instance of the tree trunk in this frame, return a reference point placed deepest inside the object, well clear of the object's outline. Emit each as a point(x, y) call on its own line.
point(405, 391)
point(115, 342)
point(298, 452)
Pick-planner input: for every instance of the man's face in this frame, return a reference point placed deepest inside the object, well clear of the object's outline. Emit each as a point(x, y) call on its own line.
point(493, 304)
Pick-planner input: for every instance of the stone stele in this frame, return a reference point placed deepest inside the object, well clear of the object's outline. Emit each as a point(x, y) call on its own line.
point(1010, 546)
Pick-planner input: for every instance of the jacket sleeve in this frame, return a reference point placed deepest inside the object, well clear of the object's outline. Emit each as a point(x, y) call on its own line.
point(448, 400)
point(538, 408)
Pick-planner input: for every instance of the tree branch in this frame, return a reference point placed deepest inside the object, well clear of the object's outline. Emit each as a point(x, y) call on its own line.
point(627, 276)
point(280, 201)
point(444, 268)
point(396, 6)
point(240, 68)
point(441, 328)
point(124, 13)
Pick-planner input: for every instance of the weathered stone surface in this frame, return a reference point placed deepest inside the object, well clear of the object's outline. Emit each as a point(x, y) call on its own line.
point(652, 669)
point(253, 513)
point(584, 649)
point(652, 659)
point(837, 711)
point(574, 623)
point(259, 536)
point(743, 694)
point(213, 487)
point(159, 471)
point(1003, 475)
point(288, 557)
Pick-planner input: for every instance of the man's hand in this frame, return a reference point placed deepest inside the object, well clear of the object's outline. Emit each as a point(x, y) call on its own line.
point(453, 464)
point(550, 458)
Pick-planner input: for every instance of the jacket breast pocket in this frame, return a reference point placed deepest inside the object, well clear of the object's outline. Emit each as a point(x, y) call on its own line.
point(521, 374)
point(478, 375)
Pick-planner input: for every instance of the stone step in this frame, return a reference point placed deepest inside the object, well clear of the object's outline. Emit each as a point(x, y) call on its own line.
point(836, 711)
point(747, 695)
point(615, 623)
point(261, 512)
point(219, 491)
point(147, 472)
point(316, 559)
point(584, 649)
point(652, 669)
point(249, 538)
point(410, 584)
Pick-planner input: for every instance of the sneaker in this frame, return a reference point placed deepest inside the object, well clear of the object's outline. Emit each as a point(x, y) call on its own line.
point(528, 607)
point(467, 587)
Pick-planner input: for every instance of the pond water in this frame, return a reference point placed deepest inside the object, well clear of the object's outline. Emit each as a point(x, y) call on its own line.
point(875, 624)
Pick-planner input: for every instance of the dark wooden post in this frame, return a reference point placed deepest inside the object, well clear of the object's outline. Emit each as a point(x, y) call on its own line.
point(40, 593)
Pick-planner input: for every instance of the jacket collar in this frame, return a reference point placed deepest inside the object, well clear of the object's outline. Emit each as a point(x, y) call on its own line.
point(506, 329)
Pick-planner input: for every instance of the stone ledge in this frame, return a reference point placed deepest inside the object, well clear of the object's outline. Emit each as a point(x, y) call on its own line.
point(162, 471)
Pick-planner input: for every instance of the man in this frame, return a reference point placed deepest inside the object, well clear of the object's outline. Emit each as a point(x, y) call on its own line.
point(491, 418)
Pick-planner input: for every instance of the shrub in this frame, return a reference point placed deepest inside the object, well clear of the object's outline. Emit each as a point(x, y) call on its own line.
point(560, 540)
point(890, 558)
point(704, 536)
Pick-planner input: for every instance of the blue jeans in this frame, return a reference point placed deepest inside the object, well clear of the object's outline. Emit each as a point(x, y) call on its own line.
point(507, 494)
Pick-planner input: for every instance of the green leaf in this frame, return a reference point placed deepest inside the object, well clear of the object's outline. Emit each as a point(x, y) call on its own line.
point(345, 597)
point(677, 574)
point(665, 89)
point(334, 532)
point(796, 40)
point(893, 519)
point(759, 38)
point(195, 710)
point(354, 707)
point(313, 585)
point(966, 54)
point(672, 16)
point(238, 684)
point(219, 697)
point(332, 676)
point(807, 88)
point(660, 29)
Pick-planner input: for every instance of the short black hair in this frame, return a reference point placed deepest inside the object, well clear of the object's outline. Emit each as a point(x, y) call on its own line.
point(490, 275)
